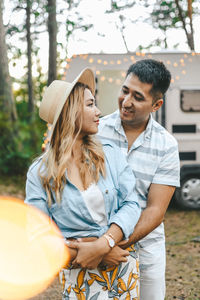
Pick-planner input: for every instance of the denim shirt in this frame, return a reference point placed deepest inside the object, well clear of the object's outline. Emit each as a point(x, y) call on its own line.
point(72, 215)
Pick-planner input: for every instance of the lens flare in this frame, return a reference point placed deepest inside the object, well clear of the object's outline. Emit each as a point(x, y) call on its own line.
point(32, 250)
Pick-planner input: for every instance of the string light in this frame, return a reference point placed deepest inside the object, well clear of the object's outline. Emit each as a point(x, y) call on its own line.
point(118, 81)
point(123, 74)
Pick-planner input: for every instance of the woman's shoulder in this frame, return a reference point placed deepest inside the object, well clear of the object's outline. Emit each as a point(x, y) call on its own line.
point(35, 165)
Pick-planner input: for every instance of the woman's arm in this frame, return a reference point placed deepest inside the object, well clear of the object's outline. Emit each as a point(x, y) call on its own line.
point(90, 254)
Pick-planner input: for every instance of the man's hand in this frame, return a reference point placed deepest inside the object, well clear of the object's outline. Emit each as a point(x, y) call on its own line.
point(115, 257)
point(90, 253)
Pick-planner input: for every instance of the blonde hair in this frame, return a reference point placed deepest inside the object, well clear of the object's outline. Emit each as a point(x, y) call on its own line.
point(65, 133)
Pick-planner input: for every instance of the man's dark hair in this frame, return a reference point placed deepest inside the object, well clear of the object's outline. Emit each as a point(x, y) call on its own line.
point(153, 72)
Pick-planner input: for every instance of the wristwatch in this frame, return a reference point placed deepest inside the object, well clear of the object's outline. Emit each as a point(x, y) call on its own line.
point(110, 239)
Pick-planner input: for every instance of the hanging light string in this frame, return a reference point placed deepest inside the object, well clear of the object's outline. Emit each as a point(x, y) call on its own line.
point(97, 62)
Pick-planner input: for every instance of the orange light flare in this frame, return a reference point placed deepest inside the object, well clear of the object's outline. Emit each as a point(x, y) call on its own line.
point(32, 250)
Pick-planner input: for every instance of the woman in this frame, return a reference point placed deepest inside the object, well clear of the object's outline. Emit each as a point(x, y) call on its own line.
point(88, 190)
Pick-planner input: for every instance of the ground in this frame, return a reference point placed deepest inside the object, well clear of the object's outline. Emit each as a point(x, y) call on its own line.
point(182, 244)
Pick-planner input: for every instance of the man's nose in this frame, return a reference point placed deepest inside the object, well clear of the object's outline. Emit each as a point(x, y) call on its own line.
point(127, 102)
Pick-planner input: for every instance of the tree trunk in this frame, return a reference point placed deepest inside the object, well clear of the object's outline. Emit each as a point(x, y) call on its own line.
point(189, 35)
point(7, 104)
point(52, 30)
point(29, 57)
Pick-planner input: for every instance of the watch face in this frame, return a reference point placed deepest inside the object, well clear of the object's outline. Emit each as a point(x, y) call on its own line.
point(111, 242)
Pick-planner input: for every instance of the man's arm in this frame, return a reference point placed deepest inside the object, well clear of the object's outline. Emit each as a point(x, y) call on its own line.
point(152, 216)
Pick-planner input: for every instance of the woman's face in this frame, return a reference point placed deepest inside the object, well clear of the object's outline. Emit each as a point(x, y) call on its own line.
point(90, 114)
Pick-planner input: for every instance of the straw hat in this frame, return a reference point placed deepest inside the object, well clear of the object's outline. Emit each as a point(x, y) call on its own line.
point(57, 93)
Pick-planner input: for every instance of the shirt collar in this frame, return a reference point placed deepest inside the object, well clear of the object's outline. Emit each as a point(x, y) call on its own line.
point(115, 122)
point(118, 124)
point(147, 132)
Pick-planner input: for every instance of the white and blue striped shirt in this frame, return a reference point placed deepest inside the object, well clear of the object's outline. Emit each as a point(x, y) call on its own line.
point(153, 157)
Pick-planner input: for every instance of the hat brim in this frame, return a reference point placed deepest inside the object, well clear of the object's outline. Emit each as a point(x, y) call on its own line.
point(86, 77)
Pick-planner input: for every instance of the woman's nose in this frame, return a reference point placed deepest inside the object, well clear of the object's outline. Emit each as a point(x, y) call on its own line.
point(98, 112)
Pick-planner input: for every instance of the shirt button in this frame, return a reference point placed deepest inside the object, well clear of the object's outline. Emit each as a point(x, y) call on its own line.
point(106, 191)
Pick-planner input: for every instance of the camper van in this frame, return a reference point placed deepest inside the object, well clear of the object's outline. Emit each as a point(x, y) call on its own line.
point(180, 113)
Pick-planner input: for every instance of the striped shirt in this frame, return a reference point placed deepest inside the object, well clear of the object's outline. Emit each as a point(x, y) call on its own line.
point(153, 157)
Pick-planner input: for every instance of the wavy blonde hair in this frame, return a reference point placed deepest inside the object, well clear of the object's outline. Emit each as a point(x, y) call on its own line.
point(56, 160)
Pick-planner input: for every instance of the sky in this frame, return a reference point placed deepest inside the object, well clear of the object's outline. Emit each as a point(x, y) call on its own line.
point(104, 36)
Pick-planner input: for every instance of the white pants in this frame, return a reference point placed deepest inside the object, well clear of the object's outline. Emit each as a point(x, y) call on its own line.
point(152, 271)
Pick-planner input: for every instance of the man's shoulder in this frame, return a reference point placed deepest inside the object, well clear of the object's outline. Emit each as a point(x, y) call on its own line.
point(109, 119)
point(108, 145)
point(162, 134)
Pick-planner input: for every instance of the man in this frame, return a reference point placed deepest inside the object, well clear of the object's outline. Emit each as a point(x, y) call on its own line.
point(153, 155)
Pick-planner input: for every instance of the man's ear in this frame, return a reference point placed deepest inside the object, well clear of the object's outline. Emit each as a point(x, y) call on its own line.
point(157, 105)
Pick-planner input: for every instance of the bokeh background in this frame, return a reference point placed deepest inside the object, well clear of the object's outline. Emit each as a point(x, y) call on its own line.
point(40, 40)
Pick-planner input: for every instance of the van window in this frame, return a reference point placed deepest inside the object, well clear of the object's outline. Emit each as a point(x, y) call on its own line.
point(190, 100)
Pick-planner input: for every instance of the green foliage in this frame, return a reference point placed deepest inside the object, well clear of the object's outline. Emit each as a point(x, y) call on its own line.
point(20, 142)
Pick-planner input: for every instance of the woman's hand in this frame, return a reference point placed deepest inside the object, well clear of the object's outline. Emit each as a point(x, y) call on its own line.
point(89, 254)
point(115, 257)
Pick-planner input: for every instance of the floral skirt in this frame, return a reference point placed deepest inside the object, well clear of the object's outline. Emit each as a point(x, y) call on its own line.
point(119, 282)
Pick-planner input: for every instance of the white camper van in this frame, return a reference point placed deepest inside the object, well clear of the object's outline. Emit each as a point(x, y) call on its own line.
point(180, 114)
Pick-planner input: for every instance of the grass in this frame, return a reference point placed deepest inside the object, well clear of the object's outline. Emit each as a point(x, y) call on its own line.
point(183, 254)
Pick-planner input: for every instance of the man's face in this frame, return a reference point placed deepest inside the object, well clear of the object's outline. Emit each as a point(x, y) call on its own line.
point(135, 102)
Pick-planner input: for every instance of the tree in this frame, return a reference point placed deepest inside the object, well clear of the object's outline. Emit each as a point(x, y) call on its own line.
point(7, 104)
point(116, 6)
point(175, 14)
point(52, 30)
point(29, 57)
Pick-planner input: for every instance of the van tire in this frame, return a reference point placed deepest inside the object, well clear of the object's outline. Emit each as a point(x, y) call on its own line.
point(188, 195)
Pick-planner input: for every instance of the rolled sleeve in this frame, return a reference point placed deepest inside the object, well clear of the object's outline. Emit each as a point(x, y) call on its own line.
point(168, 172)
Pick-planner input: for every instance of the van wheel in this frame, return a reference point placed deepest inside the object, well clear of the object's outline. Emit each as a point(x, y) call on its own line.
point(188, 195)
